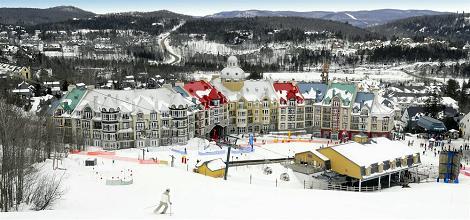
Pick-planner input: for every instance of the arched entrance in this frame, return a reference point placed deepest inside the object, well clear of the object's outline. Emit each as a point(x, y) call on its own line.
point(217, 132)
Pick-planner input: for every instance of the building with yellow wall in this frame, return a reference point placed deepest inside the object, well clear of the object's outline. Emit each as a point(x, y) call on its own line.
point(213, 168)
point(312, 158)
point(252, 104)
point(379, 157)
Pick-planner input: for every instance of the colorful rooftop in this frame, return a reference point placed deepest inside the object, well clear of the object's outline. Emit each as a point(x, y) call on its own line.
point(288, 91)
point(204, 92)
point(70, 101)
point(345, 92)
point(315, 91)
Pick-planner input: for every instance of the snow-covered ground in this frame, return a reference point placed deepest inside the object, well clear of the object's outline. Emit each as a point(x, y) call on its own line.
point(388, 75)
point(195, 196)
point(36, 101)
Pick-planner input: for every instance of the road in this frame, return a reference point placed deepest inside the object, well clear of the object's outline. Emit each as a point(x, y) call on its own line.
point(164, 42)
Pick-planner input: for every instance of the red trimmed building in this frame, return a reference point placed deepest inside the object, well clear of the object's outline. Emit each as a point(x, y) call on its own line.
point(211, 120)
point(291, 106)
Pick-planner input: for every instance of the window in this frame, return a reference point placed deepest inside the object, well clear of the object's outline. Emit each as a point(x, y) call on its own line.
point(335, 103)
point(374, 119)
point(88, 114)
point(265, 104)
point(154, 125)
point(153, 116)
point(140, 126)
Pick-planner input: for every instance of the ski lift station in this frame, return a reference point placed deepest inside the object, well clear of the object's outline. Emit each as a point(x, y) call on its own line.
point(380, 160)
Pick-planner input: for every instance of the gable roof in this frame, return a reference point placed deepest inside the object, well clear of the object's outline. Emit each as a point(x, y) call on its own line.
point(204, 92)
point(288, 91)
point(414, 110)
point(377, 151)
point(344, 91)
point(364, 99)
point(252, 90)
point(314, 91)
point(213, 165)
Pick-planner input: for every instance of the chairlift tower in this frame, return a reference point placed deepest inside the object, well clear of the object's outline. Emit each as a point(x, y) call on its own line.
point(228, 141)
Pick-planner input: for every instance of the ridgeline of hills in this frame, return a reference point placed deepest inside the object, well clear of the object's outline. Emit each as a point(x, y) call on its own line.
point(221, 27)
point(262, 29)
point(355, 18)
point(452, 27)
point(154, 22)
point(33, 16)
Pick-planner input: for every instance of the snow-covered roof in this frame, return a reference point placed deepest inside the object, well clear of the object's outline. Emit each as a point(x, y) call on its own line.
point(232, 71)
point(378, 150)
point(379, 109)
point(252, 90)
point(315, 91)
point(364, 99)
point(450, 102)
point(213, 165)
point(288, 91)
point(318, 154)
point(133, 101)
point(344, 91)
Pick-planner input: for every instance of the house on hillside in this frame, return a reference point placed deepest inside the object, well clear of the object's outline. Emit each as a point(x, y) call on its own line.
point(24, 90)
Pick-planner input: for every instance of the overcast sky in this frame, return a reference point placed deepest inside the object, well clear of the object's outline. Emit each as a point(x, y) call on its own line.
point(206, 7)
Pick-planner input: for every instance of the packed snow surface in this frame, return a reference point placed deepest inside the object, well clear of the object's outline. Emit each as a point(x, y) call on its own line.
point(195, 196)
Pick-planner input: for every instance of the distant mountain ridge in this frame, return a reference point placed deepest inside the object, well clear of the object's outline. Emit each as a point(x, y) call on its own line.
point(452, 27)
point(33, 16)
point(356, 18)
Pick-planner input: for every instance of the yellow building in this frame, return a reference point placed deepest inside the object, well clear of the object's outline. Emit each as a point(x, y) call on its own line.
point(380, 157)
point(214, 168)
point(25, 73)
point(360, 138)
point(313, 158)
point(252, 104)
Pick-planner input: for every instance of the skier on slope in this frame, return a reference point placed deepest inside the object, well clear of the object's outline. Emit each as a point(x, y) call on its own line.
point(165, 199)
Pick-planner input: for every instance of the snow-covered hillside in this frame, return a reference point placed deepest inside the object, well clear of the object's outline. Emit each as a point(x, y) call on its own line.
point(195, 196)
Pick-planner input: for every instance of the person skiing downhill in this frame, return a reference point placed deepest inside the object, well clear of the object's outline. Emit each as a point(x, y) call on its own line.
point(164, 201)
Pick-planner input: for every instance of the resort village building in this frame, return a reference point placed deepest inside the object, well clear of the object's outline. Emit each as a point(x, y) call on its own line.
point(252, 104)
point(115, 119)
point(228, 104)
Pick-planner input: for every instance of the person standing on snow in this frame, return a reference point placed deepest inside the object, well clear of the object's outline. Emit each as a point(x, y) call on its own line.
point(164, 201)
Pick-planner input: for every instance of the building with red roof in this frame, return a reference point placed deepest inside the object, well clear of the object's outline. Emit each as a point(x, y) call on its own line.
point(291, 106)
point(212, 119)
